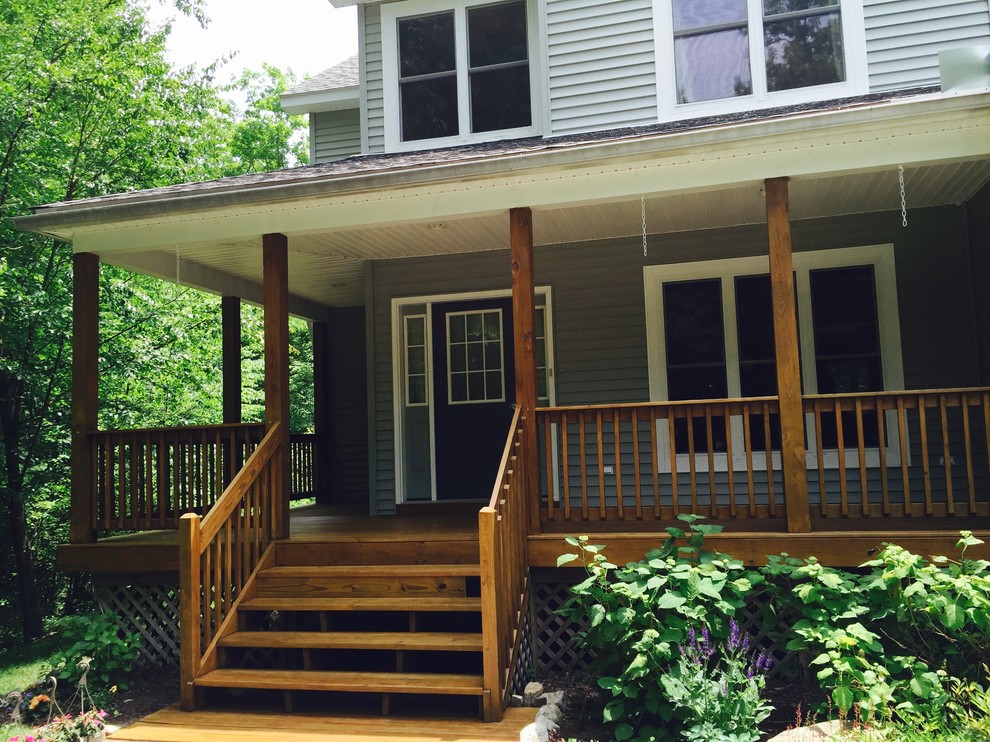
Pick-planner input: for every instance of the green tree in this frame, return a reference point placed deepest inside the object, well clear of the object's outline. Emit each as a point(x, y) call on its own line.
point(89, 105)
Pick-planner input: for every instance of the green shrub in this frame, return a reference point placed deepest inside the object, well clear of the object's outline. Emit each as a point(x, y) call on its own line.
point(110, 651)
point(638, 616)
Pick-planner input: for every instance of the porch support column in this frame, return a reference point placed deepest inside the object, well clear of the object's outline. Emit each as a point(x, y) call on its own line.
point(321, 346)
point(276, 304)
point(85, 391)
point(524, 342)
point(230, 312)
point(792, 452)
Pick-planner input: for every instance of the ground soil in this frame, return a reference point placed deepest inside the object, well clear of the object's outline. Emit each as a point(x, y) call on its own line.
point(148, 690)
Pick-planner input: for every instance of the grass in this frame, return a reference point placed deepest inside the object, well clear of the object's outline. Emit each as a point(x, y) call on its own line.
point(22, 665)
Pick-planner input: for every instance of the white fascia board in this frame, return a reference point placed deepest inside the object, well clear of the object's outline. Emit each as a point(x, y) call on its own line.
point(318, 101)
point(818, 145)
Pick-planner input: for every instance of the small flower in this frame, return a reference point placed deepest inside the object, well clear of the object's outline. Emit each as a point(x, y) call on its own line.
point(37, 700)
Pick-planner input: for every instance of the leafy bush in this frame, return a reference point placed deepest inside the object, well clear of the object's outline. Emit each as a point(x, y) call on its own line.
point(110, 651)
point(927, 628)
point(638, 616)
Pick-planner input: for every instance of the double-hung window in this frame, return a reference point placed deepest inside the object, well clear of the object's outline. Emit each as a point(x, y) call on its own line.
point(722, 55)
point(711, 336)
point(457, 73)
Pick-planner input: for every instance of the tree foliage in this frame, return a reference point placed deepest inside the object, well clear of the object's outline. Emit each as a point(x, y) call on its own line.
point(90, 105)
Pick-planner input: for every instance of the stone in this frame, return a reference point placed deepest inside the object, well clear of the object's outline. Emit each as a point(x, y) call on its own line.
point(823, 731)
point(516, 700)
point(555, 698)
point(551, 714)
point(531, 692)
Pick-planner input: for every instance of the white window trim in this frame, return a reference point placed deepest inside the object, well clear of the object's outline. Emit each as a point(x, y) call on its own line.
point(398, 386)
point(392, 13)
point(501, 351)
point(881, 257)
point(853, 39)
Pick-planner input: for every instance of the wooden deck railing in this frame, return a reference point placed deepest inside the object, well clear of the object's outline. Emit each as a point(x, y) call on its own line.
point(892, 454)
point(504, 571)
point(304, 474)
point(145, 479)
point(219, 553)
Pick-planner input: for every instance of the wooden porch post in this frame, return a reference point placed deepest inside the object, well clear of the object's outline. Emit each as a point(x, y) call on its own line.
point(275, 248)
point(792, 450)
point(321, 342)
point(230, 311)
point(524, 341)
point(85, 391)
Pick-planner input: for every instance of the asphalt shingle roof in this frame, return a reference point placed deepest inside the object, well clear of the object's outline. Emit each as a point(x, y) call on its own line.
point(342, 75)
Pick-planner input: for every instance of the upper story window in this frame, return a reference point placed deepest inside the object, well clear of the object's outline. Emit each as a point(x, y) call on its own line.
point(457, 73)
point(726, 55)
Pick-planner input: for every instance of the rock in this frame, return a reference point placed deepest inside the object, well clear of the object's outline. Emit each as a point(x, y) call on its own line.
point(531, 692)
point(555, 698)
point(551, 713)
point(516, 700)
point(823, 731)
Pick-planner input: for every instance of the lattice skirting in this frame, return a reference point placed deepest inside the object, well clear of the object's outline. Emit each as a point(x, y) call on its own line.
point(149, 608)
point(556, 649)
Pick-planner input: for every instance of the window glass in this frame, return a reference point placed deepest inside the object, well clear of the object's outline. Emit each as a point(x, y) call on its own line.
point(695, 354)
point(475, 356)
point(427, 76)
point(499, 74)
point(847, 344)
point(416, 360)
point(711, 50)
point(802, 52)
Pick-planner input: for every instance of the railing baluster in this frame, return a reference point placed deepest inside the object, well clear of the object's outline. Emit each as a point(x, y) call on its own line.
point(864, 487)
point(882, 452)
point(693, 478)
point(748, 447)
point(672, 438)
point(599, 435)
point(548, 458)
point(968, 450)
point(617, 448)
point(768, 443)
point(840, 450)
point(634, 421)
point(582, 452)
point(925, 462)
point(565, 483)
point(905, 453)
point(729, 467)
point(950, 500)
point(822, 486)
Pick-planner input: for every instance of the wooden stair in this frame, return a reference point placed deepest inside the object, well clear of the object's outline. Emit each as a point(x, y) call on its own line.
point(376, 632)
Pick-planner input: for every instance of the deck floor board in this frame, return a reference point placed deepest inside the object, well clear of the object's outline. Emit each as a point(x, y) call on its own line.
point(172, 725)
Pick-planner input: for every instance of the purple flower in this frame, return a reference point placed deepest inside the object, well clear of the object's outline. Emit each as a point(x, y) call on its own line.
point(691, 635)
point(745, 643)
point(733, 634)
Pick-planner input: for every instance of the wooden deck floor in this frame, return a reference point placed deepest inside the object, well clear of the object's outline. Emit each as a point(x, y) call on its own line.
point(173, 725)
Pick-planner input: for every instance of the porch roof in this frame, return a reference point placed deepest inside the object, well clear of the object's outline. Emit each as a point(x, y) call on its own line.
point(842, 157)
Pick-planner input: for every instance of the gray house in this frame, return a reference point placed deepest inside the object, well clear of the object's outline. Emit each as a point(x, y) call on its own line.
point(572, 266)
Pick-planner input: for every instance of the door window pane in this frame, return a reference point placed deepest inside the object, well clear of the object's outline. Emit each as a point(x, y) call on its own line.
point(475, 356)
point(416, 360)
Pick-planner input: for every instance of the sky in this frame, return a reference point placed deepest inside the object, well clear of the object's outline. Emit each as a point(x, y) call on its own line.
point(305, 35)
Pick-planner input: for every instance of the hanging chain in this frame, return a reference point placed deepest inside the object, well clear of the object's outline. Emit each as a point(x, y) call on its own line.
point(642, 209)
point(900, 180)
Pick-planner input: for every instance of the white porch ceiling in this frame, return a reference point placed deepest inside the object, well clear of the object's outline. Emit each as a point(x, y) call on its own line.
point(328, 267)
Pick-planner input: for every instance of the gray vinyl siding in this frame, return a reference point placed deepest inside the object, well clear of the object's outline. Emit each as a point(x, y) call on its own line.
point(347, 428)
point(371, 77)
point(601, 64)
point(904, 37)
point(599, 325)
point(336, 135)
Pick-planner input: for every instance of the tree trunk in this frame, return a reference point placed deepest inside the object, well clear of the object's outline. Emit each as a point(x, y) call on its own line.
point(27, 587)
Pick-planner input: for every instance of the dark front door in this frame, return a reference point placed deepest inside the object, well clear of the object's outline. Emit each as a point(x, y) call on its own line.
point(474, 389)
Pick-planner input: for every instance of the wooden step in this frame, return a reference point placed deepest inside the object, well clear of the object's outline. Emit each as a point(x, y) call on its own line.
point(355, 682)
point(382, 550)
point(371, 581)
point(431, 604)
point(416, 641)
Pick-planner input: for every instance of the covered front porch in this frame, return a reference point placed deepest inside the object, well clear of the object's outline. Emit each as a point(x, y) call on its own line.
point(757, 322)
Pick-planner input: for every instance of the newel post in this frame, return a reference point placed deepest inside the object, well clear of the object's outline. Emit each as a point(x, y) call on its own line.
point(190, 609)
point(275, 248)
point(524, 342)
point(85, 393)
point(792, 450)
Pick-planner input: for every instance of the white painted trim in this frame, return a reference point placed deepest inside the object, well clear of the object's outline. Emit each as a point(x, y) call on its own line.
point(391, 13)
point(880, 256)
point(398, 402)
point(854, 47)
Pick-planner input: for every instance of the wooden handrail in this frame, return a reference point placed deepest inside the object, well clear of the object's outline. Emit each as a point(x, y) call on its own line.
point(219, 555)
point(649, 461)
point(504, 570)
point(178, 429)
